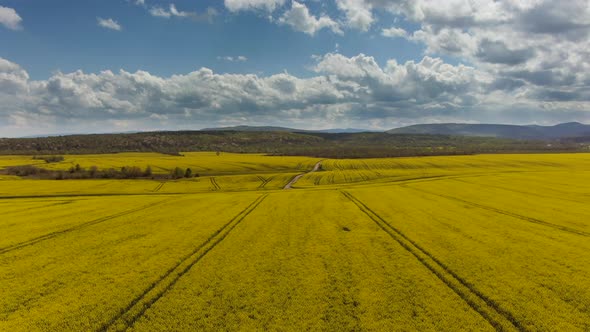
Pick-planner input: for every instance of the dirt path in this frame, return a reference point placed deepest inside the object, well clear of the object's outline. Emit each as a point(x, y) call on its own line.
point(296, 178)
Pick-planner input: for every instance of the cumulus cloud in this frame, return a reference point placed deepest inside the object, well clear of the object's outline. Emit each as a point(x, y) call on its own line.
point(394, 32)
point(425, 82)
point(498, 52)
point(10, 18)
point(260, 5)
point(358, 13)
point(534, 49)
point(13, 79)
point(109, 23)
point(343, 91)
point(299, 18)
point(528, 62)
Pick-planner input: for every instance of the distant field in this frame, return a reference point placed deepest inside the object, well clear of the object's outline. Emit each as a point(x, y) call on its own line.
point(203, 163)
point(482, 242)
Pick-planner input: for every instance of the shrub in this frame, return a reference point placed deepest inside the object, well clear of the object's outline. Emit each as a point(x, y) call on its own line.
point(93, 171)
point(78, 172)
point(148, 171)
point(131, 172)
point(50, 159)
point(177, 173)
point(188, 173)
point(26, 170)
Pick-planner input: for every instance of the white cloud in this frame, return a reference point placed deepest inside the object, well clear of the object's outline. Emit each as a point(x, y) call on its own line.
point(167, 13)
point(528, 60)
point(299, 18)
point(172, 11)
point(13, 78)
point(394, 32)
point(509, 40)
point(10, 18)
point(239, 58)
point(426, 82)
point(176, 12)
point(446, 41)
point(261, 5)
point(358, 13)
point(160, 12)
point(343, 90)
point(109, 23)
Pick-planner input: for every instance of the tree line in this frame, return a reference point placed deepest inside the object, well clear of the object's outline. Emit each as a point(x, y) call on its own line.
point(93, 172)
point(326, 145)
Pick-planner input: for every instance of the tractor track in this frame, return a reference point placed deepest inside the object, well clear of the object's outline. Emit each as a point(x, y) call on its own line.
point(264, 181)
point(127, 317)
point(77, 227)
point(506, 213)
point(484, 185)
point(40, 207)
point(159, 186)
point(499, 318)
point(214, 183)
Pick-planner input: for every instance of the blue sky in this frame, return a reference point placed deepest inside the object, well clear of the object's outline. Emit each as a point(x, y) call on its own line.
point(64, 35)
point(96, 66)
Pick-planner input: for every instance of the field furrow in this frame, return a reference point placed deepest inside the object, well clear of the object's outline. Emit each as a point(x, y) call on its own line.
point(461, 243)
point(309, 261)
point(77, 227)
point(533, 271)
point(139, 305)
point(214, 184)
point(97, 270)
point(504, 212)
point(498, 317)
point(159, 186)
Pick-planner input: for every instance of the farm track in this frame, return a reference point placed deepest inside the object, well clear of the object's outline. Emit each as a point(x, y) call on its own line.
point(77, 227)
point(214, 183)
point(264, 181)
point(315, 168)
point(316, 181)
point(91, 195)
point(127, 317)
point(159, 186)
point(506, 213)
point(428, 178)
point(499, 318)
point(43, 206)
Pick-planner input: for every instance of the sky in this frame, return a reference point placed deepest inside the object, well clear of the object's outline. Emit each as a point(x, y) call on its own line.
point(78, 66)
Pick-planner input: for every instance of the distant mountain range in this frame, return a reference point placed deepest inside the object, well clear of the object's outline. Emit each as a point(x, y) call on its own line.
point(285, 129)
point(563, 130)
point(421, 140)
point(533, 132)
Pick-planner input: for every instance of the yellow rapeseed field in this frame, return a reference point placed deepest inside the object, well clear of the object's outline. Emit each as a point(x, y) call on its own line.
point(462, 243)
point(6, 161)
point(203, 163)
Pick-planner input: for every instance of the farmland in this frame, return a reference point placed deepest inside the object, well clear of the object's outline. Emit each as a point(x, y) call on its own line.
point(442, 243)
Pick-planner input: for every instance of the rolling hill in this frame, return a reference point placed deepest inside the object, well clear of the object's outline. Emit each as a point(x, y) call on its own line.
point(317, 144)
point(285, 129)
point(563, 130)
